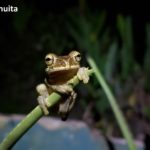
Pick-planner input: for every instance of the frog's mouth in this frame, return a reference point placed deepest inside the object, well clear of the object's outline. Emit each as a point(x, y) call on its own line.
point(61, 75)
point(68, 68)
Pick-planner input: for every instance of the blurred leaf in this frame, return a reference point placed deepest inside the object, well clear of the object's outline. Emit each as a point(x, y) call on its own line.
point(132, 100)
point(102, 104)
point(85, 30)
point(127, 60)
point(147, 111)
point(129, 35)
point(121, 26)
point(111, 61)
point(98, 22)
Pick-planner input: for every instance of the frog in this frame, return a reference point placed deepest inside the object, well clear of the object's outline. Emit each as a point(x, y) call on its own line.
point(60, 71)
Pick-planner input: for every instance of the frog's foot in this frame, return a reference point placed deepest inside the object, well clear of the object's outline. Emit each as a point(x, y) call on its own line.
point(82, 74)
point(43, 104)
point(63, 111)
point(65, 108)
point(42, 98)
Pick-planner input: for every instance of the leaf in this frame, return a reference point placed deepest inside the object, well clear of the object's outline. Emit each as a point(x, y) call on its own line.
point(98, 22)
point(111, 61)
point(102, 104)
point(127, 60)
point(121, 26)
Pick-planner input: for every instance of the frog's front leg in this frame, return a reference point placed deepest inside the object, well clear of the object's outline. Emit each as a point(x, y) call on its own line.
point(42, 98)
point(82, 74)
point(65, 107)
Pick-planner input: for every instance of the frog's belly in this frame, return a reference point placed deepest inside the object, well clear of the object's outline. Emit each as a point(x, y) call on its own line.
point(61, 77)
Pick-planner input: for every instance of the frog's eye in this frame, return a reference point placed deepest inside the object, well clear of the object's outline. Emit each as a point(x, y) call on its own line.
point(76, 55)
point(49, 59)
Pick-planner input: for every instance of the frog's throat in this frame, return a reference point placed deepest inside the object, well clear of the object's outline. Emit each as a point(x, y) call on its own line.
point(64, 68)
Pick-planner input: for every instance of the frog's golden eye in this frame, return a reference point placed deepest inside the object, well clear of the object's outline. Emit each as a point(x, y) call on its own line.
point(76, 55)
point(49, 59)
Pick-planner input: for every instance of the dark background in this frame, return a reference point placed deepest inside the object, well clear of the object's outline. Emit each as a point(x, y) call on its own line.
point(40, 27)
point(19, 58)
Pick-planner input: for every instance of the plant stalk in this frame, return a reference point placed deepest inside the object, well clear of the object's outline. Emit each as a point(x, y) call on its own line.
point(117, 112)
point(31, 119)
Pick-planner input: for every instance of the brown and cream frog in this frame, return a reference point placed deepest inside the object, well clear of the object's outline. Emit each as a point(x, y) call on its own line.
point(59, 72)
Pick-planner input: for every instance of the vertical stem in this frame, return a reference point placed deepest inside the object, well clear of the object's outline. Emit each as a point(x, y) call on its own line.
point(117, 112)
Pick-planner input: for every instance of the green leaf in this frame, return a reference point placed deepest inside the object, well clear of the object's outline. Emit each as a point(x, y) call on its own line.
point(121, 26)
point(127, 60)
point(111, 61)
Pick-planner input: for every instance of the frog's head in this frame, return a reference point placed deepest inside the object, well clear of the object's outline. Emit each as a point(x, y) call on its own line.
point(60, 63)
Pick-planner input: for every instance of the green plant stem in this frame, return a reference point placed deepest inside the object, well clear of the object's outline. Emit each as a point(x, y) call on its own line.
point(117, 112)
point(31, 119)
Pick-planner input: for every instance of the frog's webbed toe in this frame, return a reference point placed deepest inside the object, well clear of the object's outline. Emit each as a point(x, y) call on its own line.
point(42, 98)
point(82, 74)
point(63, 111)
point(43, 104)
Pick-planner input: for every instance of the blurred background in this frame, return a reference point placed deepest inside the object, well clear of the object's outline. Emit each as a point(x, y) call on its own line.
point(115, 33)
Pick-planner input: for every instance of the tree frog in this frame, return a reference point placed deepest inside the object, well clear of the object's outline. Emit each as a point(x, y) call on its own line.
point(59, 72)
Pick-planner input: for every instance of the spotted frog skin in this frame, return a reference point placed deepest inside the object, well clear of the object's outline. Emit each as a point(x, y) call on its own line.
point(59, 72)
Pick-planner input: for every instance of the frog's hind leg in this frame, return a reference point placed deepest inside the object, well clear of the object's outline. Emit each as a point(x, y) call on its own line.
point(66, 107)
point(72, 97)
